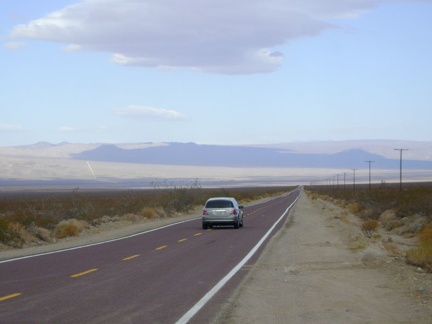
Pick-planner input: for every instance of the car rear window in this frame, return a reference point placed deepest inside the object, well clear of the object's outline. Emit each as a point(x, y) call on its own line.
point(219, 204)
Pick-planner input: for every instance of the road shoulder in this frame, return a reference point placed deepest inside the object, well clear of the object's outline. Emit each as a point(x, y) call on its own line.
point(320, 268)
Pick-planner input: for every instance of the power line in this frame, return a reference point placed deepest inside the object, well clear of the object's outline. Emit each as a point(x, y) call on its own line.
point(369, 172)
point(400, 176)
point(354, 170)
point(344, 179)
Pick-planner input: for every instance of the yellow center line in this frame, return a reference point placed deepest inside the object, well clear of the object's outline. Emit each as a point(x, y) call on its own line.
point(182, 240)
point(83, 273)
point(9, 296)
point(131, 257)
point(197, 234)
point(161, 247)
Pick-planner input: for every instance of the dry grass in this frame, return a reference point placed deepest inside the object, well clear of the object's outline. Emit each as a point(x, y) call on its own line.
point(369, 226)
point(149, 212)
point(70, 227)
point(426, 234)
point(356, 244)
point(422, 255)
point(19, 234)
point(134, 218)
point(344, 216)
point(41, 233)
point(391, 248)
point(354, 208)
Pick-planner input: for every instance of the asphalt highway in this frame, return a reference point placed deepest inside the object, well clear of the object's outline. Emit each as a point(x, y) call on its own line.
point(176, 274)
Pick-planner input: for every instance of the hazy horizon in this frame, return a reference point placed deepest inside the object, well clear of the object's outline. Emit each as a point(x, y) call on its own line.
point(84, 165)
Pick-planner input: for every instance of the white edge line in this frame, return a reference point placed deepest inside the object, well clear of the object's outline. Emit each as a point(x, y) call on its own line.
point(97, 243)
point(200, 304)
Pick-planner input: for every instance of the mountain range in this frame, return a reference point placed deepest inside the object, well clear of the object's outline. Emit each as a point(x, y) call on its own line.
point(138, 163)
point(242, 157)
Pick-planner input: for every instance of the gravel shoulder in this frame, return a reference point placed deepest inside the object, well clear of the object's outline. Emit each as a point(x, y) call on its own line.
point(320, 268)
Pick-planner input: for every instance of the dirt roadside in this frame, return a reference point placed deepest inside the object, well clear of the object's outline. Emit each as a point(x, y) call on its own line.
point(320, 268)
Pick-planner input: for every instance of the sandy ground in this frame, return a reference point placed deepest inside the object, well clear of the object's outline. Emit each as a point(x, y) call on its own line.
point(319, 268)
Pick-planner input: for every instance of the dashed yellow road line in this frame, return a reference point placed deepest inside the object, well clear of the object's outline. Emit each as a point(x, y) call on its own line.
point(9, 296)
point(197, 234)
point(161, 247)
point(83, 273)
point(182, 240)
point(131, 257)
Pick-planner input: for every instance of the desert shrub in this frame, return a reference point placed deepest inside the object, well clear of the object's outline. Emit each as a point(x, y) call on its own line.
point(343, 214)
point(160, 212)
point(369, 226)
point(20, 232)
point(178, 200)
point(17, 234)
point(421, 256)
point(426, 234)
point(415, 201)
point(134, 218)
point(386, 217)
point(368, 213)
point(392, 224)
point(148, 212)
point(40, 233)
point(391, 248)
point(354, 208)
point(4, 236)
point(315, 195)
point(70, 227)
point(10, 233)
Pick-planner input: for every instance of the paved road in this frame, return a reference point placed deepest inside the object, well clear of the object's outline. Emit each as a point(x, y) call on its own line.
point(156, 277)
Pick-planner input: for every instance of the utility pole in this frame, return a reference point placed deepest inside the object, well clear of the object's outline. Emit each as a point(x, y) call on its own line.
point(369, 172)
point(400, 168)
point(344, 179)
point(354, 170)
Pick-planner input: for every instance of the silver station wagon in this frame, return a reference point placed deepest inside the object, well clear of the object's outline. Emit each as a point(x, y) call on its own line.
point(222, 211)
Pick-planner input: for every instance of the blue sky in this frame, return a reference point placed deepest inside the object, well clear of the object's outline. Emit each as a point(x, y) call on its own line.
point(214, 72)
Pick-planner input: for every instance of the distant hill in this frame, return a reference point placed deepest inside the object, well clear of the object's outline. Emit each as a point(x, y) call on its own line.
point(241, 156)
point(144, 164)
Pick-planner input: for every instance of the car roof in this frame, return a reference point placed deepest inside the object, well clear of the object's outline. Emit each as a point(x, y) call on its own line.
point(221, 198)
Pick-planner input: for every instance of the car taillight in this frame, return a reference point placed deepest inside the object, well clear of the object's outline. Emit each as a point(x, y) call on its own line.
point(205, 212)
point(234, 212)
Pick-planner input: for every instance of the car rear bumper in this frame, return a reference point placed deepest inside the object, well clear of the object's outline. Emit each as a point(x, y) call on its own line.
point(220, 220)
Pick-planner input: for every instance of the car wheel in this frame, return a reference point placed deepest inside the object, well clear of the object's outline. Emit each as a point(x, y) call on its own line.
point(204, 226)
point(241, 224)
point(237, 224)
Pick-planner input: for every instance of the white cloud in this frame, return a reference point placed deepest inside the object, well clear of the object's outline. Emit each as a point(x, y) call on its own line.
point(72, 48)
point(10, 127)
point(14, 45)
point(145, 113)
point(210, 36)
